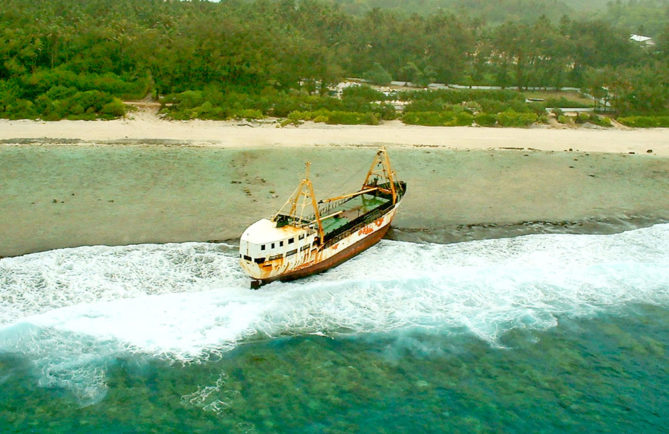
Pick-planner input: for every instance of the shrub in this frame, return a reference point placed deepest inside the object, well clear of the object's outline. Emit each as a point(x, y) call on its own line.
point(297, 117)
point(289, 121)
point(433, 118)
point(281, 104)
point(269, 102)
point(75, 110)
point(219, 113)
point(593, 118)
point(602, 121)
point(91, 101)
point(563, 102)
point(300, 116)
point(485, 119)
point(385, 111)
point(60, 92)
point(472, 107)
point(45, 107)
point(365, 92)
point(355, 104)
point(538, 108)
point(112, 84)
point(521, 106)
point(514, 119)
point(204, 111)
point(189, 99)
point(463, 119)
point(425, 106)
point(181, 115)
point(214, 95)
point(352, 118)
point(492, 106)
point(582, 118)
point(21, 109)
point(564, 119)
point(248, 114)
point(41, 81)
point(645, 121)
point(113, 109)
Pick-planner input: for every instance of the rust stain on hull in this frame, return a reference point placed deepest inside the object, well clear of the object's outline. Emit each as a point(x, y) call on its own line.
point(334, 260)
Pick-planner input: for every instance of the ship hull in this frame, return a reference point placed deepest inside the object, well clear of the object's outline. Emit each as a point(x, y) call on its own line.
point(330, 256)
point(336, 259)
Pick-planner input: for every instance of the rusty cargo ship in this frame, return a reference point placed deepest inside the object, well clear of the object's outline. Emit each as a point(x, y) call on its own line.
point(308, 236)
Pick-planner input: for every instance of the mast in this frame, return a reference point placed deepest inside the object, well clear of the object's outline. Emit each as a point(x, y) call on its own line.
point(380, 168)
point(304, 191)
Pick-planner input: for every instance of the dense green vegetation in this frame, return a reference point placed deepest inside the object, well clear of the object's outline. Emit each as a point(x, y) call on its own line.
point(491, 12)
point(645, 121)
point(647, 17)
point(644, 17)
point(365, 105)
point(249, 59)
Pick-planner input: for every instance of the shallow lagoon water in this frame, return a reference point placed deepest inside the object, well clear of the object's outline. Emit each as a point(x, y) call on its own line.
point(56, 196)
point(547, 332)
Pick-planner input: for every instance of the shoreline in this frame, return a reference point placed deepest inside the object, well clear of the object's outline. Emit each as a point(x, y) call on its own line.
point(146, 128)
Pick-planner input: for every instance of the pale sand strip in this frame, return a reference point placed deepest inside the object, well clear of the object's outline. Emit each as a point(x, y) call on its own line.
point(394, 133)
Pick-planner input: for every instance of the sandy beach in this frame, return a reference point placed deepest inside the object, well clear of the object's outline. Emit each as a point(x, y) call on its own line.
point(73, 183)
point(146, 126)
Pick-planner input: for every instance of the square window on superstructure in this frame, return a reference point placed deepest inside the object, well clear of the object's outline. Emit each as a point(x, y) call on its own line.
point(273, 246)
point(280, 243)
point(262, 247)
point(301, 237)
point(291, 240)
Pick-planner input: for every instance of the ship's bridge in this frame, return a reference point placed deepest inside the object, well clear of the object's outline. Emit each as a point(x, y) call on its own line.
point(264, 241)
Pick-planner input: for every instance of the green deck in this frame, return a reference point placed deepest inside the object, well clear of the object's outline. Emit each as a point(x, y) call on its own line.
point(351, 209)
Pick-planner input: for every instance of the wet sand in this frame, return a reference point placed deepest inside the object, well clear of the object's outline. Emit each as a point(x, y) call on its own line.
point(67, 195)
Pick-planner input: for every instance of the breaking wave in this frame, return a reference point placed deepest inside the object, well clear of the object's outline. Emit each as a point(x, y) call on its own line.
point(70, 311)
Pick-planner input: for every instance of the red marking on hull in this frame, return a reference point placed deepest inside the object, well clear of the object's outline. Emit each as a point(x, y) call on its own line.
point(365, 231)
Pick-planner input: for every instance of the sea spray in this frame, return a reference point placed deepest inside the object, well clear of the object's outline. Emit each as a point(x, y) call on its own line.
point(41, 282)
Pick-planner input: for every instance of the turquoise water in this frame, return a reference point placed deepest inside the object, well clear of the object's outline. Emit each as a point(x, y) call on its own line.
point(552, 332)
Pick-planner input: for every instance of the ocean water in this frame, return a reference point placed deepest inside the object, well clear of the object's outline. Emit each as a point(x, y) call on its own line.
point(544, 332)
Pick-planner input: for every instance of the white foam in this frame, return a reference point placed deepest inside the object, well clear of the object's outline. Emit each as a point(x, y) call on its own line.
point(41, 282)
point(73, 361)
point(180, 301)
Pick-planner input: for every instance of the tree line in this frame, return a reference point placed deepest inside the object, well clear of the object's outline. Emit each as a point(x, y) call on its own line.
point(646, 17)
point(78, 59)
